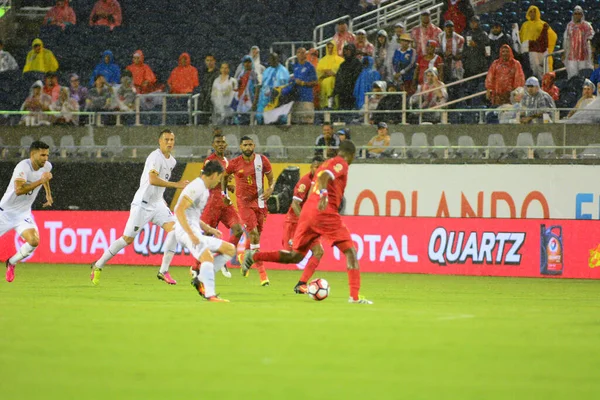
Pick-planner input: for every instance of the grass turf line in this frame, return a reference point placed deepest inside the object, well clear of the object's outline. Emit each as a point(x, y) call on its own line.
point(426, 337)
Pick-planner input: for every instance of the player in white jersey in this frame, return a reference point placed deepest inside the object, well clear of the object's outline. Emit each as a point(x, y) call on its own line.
point(15, 207)
point(149, 205)
point(189, 229)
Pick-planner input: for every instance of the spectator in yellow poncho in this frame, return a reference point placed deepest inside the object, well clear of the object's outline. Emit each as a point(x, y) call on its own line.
point(537, 39)
point(40, 59)
point(326, 69)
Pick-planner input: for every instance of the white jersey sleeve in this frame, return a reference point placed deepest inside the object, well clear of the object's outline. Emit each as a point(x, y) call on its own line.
point(15, 205)
point(148, 195)
point(198, 193)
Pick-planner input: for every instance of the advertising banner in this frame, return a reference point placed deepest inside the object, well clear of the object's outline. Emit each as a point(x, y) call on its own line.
point(484, 191)
point(460, 246)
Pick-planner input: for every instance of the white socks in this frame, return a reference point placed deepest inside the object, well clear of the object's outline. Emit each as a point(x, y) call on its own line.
point(169, 251)
point(112, 251)
point(220, 261)
point(254, 246)
point(207, 277)
point(23, 252)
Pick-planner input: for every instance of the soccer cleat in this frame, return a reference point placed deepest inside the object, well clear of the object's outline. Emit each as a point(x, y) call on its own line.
point(193, 273)
point(301, 288)
point(360, 300)
point(225, 271)
point(265, 283)
point(166, 277)
point(95, 275)
point(247, 263)
point(216, 299)
point(199, 286)
point(10, 271)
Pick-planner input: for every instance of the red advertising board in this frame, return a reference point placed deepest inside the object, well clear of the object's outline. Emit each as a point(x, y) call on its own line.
point(461, 246)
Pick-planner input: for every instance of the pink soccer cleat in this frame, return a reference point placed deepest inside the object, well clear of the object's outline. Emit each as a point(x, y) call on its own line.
point(167, 278)
point(10, 272)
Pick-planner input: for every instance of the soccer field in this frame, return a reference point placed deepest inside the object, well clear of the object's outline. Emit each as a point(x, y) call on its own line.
point(426, 337)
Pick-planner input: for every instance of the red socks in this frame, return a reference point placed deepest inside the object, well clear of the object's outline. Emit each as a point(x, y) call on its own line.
point(354, 282)
point(234, 240)
point(269, 256)
point(310, 268)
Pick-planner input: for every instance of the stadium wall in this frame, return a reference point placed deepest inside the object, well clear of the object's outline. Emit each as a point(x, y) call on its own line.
point(568, 135)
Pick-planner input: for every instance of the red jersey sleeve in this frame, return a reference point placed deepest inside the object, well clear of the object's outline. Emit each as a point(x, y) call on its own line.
point(335, 167)
point(231, 167)
point(266, 165)
point(302, 189)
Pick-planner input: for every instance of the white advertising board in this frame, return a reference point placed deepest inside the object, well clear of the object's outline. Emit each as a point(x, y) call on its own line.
point(488, 191)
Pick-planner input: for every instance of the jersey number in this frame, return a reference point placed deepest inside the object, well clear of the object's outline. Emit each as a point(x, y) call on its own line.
point(249, 179)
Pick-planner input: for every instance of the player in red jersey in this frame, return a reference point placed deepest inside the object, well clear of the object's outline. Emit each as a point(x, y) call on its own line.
point(219, 209)
point(320, 218)
point(301, 191)
point(249, 171)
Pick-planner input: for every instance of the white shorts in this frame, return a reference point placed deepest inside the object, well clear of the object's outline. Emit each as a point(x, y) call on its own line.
point(19, 223)
point(159, 215)
point(206, 242)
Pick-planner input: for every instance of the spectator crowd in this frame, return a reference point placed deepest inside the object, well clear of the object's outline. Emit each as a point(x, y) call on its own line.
point(353, 74)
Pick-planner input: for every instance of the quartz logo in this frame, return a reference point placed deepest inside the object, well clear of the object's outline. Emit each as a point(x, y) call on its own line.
point(456, 247)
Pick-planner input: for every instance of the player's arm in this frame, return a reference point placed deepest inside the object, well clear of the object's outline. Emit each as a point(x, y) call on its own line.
point(225, 188)
point(156, 180)
point(49, 199)
point(268, 191)
point(210, 230)
point(296, 206)
point(22, 187)
point(183, 205)
point(321, 188)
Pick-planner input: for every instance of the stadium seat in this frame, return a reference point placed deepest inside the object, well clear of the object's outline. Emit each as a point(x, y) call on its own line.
point(497, 147)
point(183, 151)
point(591, 151)
point(232, 141)
point(67, 145)
point(275, 147)
point(254, 138)
point(466, 149)
point(49, 140)
point(418, 144)
point(25, 143)
point(113, 146)
point(545, 139)
point(441, 140)
point(524, 139)
point(87, 147)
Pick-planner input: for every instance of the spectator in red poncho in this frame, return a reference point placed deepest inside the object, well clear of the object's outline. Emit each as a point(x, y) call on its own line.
point(144, 79)
point(424, 32)
point(60, 15)
point(184, 78)
point(504, 76)
point(459, 12)
point(429, 60)
point(549, 87)
point(106, 13)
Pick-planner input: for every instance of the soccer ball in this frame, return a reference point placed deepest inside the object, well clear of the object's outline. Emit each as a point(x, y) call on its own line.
point(318, 289)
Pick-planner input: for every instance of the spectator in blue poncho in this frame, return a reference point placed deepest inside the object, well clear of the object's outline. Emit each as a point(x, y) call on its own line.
point(365, 81)
point(107, 68)
point(595, 78)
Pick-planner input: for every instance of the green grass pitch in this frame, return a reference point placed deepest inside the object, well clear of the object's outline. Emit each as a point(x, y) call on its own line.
point(426, 337)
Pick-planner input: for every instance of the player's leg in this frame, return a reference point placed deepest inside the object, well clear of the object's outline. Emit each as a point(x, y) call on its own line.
point(232, 221)
point(334, 230)
point(204, 279)
point(312, 264)
point(137, 219)
point(27, 229)
point(163, 217)
point(261, 218)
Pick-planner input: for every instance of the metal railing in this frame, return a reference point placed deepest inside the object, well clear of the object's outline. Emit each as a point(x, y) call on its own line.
point(367, 111)
point(546, 68)
point(293, 45)
point(163, 99)
point(408, 11)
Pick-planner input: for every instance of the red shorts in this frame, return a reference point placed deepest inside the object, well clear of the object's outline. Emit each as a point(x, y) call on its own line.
point(213, 214)
point(313, 226)
point(253, 217)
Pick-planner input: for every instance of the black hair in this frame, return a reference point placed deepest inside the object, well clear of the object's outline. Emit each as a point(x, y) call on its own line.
point(126, 73)
point(210, 55)
point(246, 138)
point(347, 147)
point(318, 159)
point(327, 124)
point(211, 167)
point(98, 76)
point(38, 145)
point(166, 130)
point(218, 134)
